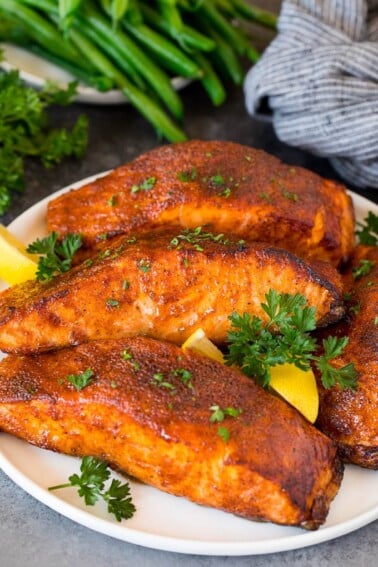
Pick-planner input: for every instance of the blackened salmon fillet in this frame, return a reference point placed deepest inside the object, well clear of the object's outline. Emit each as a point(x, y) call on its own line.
point(164, 285)
point(225, 186)
point(147, 411)
point(350, 417)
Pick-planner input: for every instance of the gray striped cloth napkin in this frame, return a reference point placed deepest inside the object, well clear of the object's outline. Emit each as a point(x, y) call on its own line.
point(319, 79)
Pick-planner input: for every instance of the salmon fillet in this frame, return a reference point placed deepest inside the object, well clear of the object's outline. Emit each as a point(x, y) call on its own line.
point(226, 186)
point(274, 467)
point(351, 417)
point(161, 286)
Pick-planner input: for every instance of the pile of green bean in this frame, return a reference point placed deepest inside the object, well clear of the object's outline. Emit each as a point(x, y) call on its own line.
point(137, 46)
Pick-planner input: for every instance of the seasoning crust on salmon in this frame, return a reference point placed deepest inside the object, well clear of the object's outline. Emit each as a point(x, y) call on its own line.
point(350, 417)
point(162, 286)
point(147, 412)
point(225, 186)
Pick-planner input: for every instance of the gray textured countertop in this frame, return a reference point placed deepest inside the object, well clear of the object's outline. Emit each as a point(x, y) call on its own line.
point(32, 534)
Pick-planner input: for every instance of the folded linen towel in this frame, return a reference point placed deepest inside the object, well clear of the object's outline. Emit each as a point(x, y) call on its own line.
point(319, 77)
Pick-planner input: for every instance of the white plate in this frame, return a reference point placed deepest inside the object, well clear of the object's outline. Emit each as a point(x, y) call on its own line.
point(35, 71)
point(167, 522)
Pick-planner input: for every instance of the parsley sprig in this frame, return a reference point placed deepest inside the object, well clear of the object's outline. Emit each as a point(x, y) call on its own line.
point(91, 486)
point(25, 131)
point(368, 230)
point(56, 256)
point(196, 236)
point(255, 346)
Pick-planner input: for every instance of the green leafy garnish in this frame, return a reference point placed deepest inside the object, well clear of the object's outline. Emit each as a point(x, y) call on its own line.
point(196, 236)
point(91, 487)
point(219, 414)
point(146, 185)
point(368, 230)
point(224, 433)
point(56, 256)
point(363, 268)
point(24, 131)
point(187, 175)
point(255, 346)
point(82, 379)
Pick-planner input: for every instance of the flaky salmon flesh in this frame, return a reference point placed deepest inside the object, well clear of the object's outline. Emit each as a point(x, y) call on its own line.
point(163, 286)
point(226, 186)
point(147, 412)
point(347, 416)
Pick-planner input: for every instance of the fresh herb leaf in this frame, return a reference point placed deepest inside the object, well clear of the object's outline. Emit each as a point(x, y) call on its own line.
point(185, 375)
point(187, 175)
point(368, 230)
point(224, 434)
point(255, 346)
point(56, 256)
point(363, 268)
point(91, 487)
point(112, 302)
point(25, 132)
point(146, 185)
point(119, 500)
point(82, 379)
point(218, 414)
point(195, 237)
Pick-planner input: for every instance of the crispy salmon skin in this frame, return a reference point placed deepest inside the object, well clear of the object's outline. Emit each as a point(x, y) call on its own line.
point(226, 186)
point(147, 411)
point(163, 286)
point(347, 416)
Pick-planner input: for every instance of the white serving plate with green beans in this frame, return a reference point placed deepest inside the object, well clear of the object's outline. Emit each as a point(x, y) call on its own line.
point(35, 71)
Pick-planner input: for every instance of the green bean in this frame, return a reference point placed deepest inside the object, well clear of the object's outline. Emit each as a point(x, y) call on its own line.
point(66, 10)
point(154, 76)
point(170, 13)
point(210, 81)
point(116, 9)
point(40, 29)
point(99, 82)
point(168, 54)
point(102, 42)
point(191, 38)
point(144, 104)
point(223, 56)
point(255, 14)
point(208, 12)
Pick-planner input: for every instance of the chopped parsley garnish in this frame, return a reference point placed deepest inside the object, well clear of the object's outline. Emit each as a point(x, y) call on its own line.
point(126, 355)
point(196, 236)
point(185, 376)
point(218, 414)
point(56, 257)
point(224, 433)
point(187, 175)
point(146, 185)
point(91, 486)
point(217, 180)
point(363, 268)
point(126, 285)
point(255, 346)
point(289, 195)
point(82, 379)
point(368, 230)
point(158, 380)
point(144, 265)
point(112, 302)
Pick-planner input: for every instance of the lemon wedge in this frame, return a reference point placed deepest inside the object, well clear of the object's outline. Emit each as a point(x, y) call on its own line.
point(199, 342)
point(16, 265)
point(297, 387)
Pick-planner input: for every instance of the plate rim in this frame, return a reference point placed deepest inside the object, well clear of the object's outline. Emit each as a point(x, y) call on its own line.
point(124, 533)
